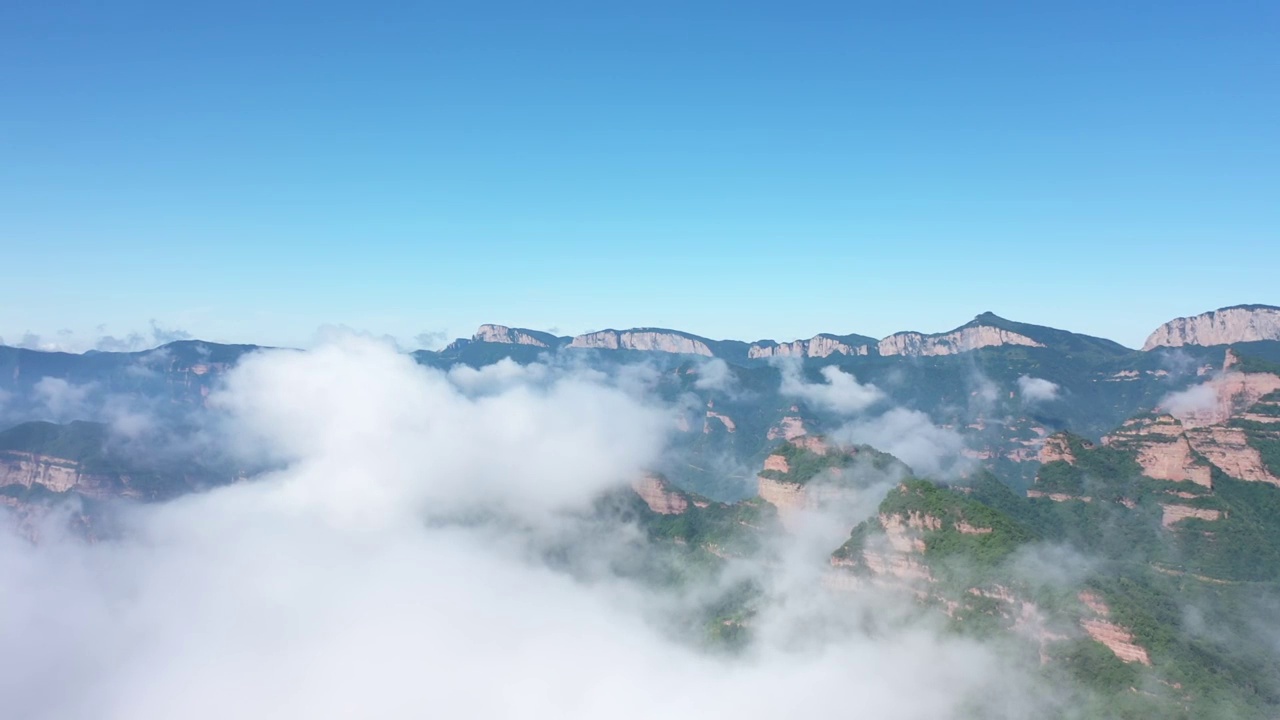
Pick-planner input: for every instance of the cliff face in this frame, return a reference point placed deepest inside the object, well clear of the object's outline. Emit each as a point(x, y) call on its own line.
point(1168, 450)
point(792, 494)
point(27, 469)
point(1244, 323)
point(1229, 449)
point(790, 499)
point(659, 496)
point(819, 346)
point(52, 473)
point(1056, 447)
point(724, 420)
point(957, 341)
point(1118, 639)
point(506, 335)
point(649, 340)
point(1227, 395)
point(1162, 449)
point(1172, 513)
point(788, 428)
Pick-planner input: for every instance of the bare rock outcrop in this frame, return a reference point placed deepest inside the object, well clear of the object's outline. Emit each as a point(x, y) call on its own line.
point(957, 341)
point(1229, 394)
point(1058, 497)
point(788, 428)
point(1162, 449)
point(1118, 639)
point(29, 469)
point(1057, 447)
point(724, 420)
point(1229, 449)
point(660, 496)
point(1173, 513)
point(502, 334)
point(646, 340)
point(791, 498)
point(819, 346)
point(905, 533)
point(1241, 323)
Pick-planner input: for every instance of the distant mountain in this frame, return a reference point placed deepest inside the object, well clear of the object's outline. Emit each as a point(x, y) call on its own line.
point(984, 331)
point(991, 330)
point(1225, 326)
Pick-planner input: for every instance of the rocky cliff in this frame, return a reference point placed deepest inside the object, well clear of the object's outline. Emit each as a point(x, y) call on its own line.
point(1099, 626)
point(1240, 323)
point(1218, 399)
point(55, 474)
point(1057, 447)
point(819, 346)
point(510, 336)
point(29, 469)
point(807, 473)
point(952, 343)
point(1162, 448)
point(643, 339)
point(658, 494)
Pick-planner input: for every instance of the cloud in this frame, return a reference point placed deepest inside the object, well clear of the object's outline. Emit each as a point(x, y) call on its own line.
point(1195, 399)
point(984, 393)
point(509, 446)
point(161, 335)
point(1037, 390)
point(399, 561)
point(431, 339)
point(841, 393)
point(33, 341)
point(715, 374)
point(132, 342)
point(70, 341)
point(911, 436)
point(60, 400)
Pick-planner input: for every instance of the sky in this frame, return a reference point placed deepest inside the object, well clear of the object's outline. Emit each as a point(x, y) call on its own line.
point(254, 171)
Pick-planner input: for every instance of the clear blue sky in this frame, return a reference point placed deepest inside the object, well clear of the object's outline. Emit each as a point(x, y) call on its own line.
point(735, 169)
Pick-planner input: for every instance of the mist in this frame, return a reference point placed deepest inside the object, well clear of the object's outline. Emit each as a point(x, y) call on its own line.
point(395, 564)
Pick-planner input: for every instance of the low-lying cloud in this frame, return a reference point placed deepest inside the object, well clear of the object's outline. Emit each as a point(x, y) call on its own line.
point(395, 566)
point(715, 374)
point(1037, 390)
point(1195, 399)
point(841, 393)
point(71, 341)
point(911, 436)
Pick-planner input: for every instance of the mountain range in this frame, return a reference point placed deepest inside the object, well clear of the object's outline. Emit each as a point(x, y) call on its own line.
point(1240, 323)
point(1154, 473)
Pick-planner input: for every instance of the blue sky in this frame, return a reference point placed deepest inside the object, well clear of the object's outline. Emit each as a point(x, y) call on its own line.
point(738, 170)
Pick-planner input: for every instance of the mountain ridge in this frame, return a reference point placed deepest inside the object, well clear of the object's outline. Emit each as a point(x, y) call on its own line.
point(985, 330)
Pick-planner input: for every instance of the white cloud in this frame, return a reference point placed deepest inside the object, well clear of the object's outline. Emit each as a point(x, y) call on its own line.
point(498, 377)
point(394, 568)
point(61, 401)
point(841, 393)
point(1037, 390)
point(431, 339)
point(715, 374)
point(1195, 399)
point(349, 403)
point(911, 436)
